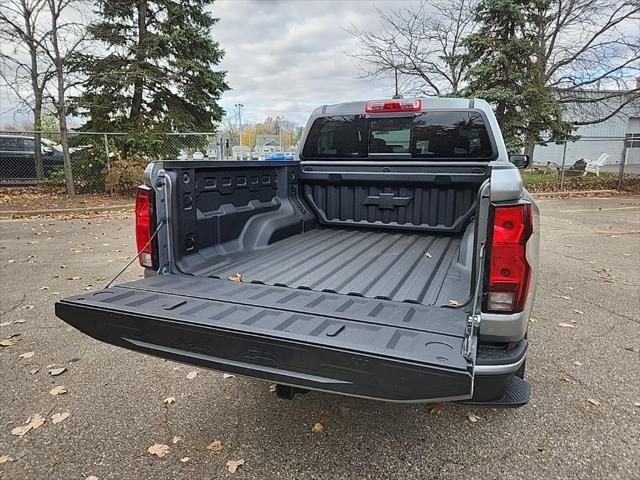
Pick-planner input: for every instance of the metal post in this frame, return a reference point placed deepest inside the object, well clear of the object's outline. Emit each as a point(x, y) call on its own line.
point(564, 157)
point(106, 150)
point(625, 153)
point(239, 107)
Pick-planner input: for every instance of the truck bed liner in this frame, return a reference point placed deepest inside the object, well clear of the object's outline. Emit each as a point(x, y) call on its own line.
point(393, 266)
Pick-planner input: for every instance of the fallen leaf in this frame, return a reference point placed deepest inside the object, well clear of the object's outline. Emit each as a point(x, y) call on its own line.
point(473, 417)
point(215, 446)
point(169, 401)
point(227, 375)
point(158, 449)
point(593, 401)
point(91, 477)
point(317, 428)
point(636, 404)
point(232, 465)
point(191, 375)
point(12, 340)
point(577, 363)
point(21, 320)
point(28, 307)
point(33, 371)
point(74, 278)
point(579, 312)
point(436, 409)
point(454, 303)
point(565, 379)
point(185, 459)
point(176, 368)
point(5, 459)
point(236, 278)
point(428, 255)
point(59, 417)
point(43, 288)
point(273, 387)
point(54, 372)
point(58, 390)
point(51, 365)
point(566, 325)
point(27, 354)
point(32, 423)
point(176, 439)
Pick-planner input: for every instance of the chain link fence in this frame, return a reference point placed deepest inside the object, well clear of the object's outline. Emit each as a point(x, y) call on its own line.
point(101, 162)
point(598, 162)
point(114, 162)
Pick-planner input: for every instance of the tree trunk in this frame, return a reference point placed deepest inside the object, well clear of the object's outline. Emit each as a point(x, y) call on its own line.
point(138, 84)
point(37, 126)
point(529, 149)
point(61, 107)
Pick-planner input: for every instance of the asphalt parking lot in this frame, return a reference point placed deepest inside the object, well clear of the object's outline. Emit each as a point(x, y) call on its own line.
point(581, 422)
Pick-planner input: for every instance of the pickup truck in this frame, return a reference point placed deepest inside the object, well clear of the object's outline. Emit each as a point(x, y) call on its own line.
point(395, 259)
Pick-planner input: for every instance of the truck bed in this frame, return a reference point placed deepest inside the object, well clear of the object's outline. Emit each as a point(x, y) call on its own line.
point(422, 269)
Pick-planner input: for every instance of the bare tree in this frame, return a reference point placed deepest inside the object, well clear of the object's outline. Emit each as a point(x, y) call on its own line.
point(423, 43)
point(590, 51)
point(23, 60)
point(230, 129)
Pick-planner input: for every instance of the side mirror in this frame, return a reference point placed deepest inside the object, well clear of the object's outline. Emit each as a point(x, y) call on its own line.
point(520, 161)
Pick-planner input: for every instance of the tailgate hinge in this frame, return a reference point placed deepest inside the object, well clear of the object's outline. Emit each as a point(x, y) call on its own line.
point(471, 338)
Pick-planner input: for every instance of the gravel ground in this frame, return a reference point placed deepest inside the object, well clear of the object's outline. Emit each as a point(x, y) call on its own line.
point(590, 272)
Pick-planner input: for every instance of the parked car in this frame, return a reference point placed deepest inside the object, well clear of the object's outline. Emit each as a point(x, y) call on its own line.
point(279, 156)
point(18, 160)
point(396, 260)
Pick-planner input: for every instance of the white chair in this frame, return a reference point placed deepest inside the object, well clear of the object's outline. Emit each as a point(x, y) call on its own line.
point(593, 166)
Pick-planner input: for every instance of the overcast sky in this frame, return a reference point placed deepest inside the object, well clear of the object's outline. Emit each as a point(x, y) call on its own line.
point(284, 57)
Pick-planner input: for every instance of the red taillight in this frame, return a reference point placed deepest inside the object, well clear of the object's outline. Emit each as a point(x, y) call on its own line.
point(144, 227)
point(509, 271)
point(398, 105)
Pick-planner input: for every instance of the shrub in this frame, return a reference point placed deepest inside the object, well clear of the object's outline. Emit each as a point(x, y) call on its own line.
point(125, 175)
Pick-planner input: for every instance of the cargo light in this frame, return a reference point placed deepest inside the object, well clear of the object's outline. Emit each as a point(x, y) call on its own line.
point(397, 105)
point(509, 271)
point(145, 227)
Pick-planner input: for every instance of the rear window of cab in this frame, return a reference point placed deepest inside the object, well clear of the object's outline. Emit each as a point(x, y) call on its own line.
point(429, 135)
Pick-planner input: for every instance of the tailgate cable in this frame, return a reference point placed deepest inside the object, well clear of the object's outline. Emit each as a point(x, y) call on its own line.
point(473, 322)
point(160, 225)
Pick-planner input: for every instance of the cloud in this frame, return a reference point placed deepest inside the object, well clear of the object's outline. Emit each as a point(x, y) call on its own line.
point(288, 57)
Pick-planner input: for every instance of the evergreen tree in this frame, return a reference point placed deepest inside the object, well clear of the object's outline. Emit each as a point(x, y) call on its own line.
point(507, 70)
point(157, 71)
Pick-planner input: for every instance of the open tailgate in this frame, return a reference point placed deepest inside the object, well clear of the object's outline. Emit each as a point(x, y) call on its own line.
point(317, 340)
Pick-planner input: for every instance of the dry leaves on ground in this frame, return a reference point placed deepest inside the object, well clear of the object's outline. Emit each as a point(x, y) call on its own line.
point(27, 354)
point(317, 428)
point(454, 303)
point(59, 417)
point(227, 375)
point(436, 409)
point(593, 401)
point(636, 404)
point(169, 401)
point(185, 459)
point(191, 375)
point(176, 439)
point(158, 449)
point(233, 465)
point(32, 423)
point(566, 325)
point(473, 417)
point(237, 278)
point(215, 446)
point(54, 372)
point(91, 477)
point(10, 340)
point(5, 459)
point(579, 312)
point(58, 390)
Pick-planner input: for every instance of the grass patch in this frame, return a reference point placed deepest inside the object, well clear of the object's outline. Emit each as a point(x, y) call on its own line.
point(550, 182)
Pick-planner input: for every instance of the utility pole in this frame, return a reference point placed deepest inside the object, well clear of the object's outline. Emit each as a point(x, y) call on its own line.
point(279, 124)
point(239, 107)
